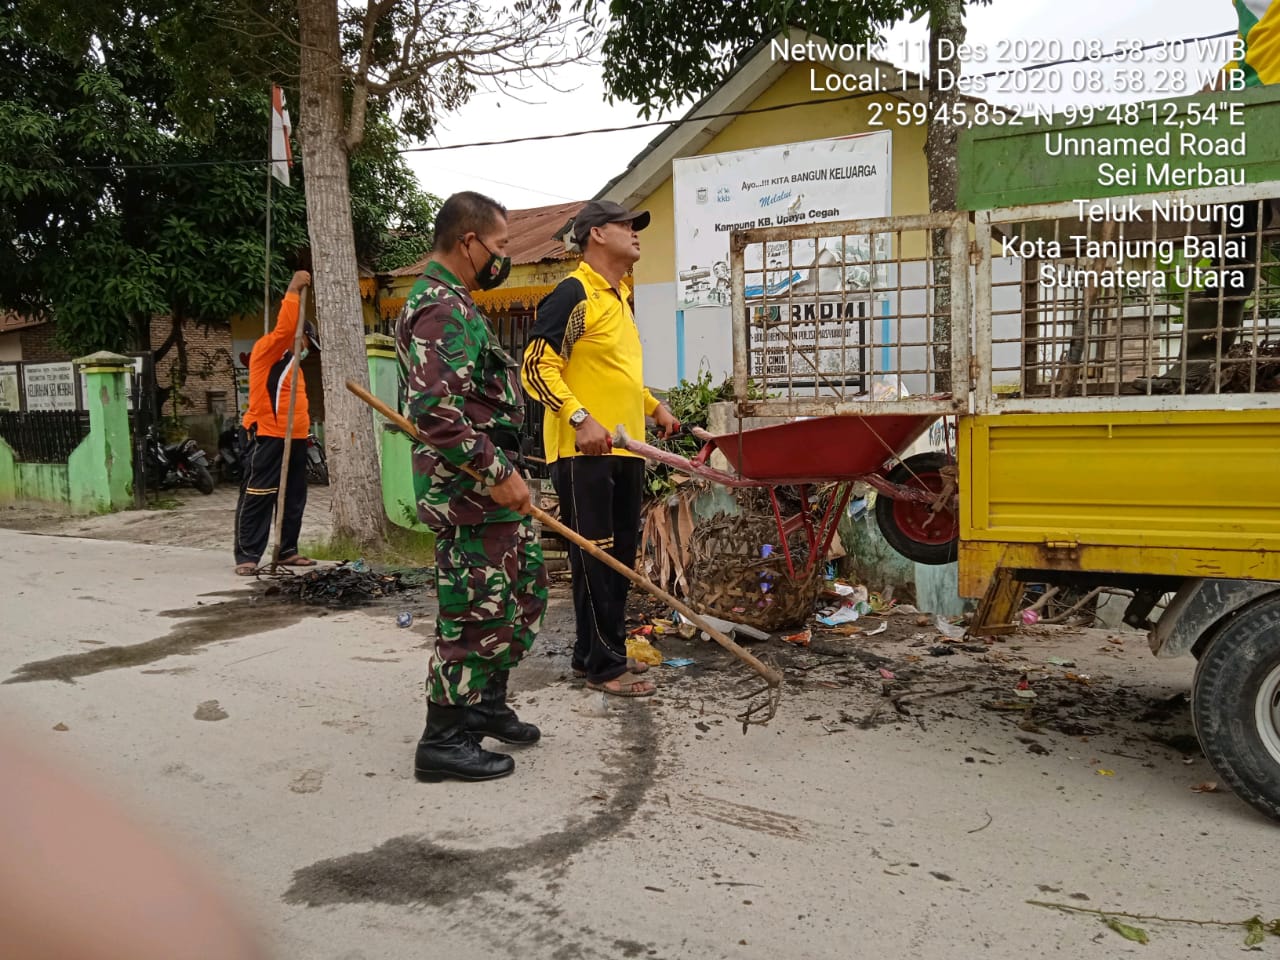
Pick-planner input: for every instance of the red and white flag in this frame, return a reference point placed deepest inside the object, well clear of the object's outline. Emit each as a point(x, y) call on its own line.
point(281, 129)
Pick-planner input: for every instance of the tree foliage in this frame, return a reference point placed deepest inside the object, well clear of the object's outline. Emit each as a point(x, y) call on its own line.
point(116, 210)
point(660, 53)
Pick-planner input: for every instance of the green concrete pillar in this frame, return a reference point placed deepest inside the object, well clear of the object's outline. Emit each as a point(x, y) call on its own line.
point(8, 474)
point(100, 470)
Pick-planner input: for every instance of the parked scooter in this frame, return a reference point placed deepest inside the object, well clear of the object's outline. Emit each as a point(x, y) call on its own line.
point(174, 464)
point(317, 464)
point(230, 461)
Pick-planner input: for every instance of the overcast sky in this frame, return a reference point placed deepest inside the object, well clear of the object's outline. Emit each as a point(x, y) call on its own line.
point(534, 174)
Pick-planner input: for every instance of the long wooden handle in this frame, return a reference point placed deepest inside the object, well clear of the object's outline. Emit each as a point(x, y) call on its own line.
point(771, 676)
point(288, 426)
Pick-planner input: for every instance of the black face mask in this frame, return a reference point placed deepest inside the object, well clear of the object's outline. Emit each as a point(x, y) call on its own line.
point(494, 271)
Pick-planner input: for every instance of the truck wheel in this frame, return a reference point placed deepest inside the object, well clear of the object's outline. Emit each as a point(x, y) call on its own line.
point(1235, 704)
point(909, 527)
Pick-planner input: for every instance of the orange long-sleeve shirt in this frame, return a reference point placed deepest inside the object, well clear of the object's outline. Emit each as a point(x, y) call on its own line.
point(270, 371)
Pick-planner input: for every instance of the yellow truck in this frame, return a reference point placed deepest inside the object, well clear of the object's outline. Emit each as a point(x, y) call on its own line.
point(1110, 367)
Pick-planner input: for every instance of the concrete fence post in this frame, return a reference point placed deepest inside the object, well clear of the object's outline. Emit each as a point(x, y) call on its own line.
point(100, 470)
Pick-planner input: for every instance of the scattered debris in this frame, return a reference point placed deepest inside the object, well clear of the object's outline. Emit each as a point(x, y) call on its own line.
point(405, 619)
point(61, 727)
point(346, 585)
point(800, 639)
point(984, 826)
point(949, 629)
point(1209, 786)
point(678, 662)
point(638, 648)
point(1061, 662)
point(1256, 929)
point(1105, 773)
point(210, 710)
point(1136, 934)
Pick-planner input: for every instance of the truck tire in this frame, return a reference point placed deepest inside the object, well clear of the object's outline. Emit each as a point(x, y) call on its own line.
point(908, 526)
point(1235, 704)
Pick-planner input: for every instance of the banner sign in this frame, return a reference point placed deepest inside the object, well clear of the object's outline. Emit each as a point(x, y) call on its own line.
point(817, 181)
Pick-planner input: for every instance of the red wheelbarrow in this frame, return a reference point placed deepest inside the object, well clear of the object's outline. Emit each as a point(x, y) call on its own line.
point(916, 508)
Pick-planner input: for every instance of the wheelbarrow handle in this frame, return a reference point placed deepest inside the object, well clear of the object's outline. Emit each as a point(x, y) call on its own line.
point(695, 468)
point(771, 676)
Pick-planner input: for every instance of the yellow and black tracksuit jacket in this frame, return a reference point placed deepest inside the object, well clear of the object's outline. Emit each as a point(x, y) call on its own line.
point(584, 351)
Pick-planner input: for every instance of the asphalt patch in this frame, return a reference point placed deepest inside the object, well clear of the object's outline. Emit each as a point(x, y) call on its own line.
point(203, 625)
point(414, 870)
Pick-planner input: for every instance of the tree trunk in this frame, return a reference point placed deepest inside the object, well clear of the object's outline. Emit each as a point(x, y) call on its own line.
point(946, 23)
point(353, 463)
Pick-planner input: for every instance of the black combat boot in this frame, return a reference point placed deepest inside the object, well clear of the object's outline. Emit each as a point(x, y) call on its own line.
point(448, 749)
point(493, 718)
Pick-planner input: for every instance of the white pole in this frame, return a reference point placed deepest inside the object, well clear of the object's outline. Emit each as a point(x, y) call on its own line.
point(266, 286)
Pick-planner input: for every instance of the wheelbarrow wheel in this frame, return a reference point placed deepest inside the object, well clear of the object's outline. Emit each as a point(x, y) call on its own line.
point(912, 528)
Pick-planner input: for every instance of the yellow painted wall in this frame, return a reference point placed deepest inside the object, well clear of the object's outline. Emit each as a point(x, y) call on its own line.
point(910, 180)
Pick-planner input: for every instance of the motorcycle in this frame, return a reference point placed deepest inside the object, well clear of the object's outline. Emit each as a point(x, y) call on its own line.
point(317, 464)
point(170, 465)
point(231, 450)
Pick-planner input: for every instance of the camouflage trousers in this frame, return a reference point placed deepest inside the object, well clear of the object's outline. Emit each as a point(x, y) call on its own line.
point(492, 589)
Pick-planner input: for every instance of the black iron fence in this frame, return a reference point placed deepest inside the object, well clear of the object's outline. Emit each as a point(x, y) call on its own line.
point(44, 436)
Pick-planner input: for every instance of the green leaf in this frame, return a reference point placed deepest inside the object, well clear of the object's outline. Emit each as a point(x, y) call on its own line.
point(1255, 932)
point(1136, 934)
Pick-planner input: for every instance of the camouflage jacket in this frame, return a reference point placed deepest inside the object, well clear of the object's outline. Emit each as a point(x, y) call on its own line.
point(457, 383)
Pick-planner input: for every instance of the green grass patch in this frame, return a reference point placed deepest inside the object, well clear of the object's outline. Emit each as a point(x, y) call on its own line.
point(403, 548)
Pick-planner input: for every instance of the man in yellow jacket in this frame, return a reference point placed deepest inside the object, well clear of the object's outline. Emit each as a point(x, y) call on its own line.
point(270, 376)
point(584, 364)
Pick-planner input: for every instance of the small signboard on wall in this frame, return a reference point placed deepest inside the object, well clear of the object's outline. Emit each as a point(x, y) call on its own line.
point(49, 386)
point(10, 389)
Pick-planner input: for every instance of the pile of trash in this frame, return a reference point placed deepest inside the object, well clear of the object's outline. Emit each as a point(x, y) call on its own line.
point(346, 585)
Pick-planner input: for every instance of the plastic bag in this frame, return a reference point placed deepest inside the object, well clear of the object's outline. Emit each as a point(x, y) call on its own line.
point(638, 648)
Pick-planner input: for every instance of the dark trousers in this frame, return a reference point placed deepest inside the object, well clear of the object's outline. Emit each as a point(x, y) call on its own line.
point(600, 499)
point(257, 505)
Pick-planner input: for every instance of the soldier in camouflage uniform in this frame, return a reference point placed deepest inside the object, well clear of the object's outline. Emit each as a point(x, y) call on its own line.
point(463, 393)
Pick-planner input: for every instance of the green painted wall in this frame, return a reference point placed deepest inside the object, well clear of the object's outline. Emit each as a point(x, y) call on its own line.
point(42, 481)
point(99, 472)
point(1002, 166)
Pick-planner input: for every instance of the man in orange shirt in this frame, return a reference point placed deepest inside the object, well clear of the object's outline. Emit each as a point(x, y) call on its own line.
point(271, 368)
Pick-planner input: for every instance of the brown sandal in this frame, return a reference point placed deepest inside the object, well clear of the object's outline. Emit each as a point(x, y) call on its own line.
point(633, 666)
point(246, 569)
point(627, 686)
point(297, 560)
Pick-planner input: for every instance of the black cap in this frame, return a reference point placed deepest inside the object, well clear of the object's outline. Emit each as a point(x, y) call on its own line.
point(596, 213)
point(313, 338)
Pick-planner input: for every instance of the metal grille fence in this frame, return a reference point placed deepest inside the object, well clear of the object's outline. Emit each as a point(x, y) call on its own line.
point(44, 436)
point(1131, 302)
point(837, 317)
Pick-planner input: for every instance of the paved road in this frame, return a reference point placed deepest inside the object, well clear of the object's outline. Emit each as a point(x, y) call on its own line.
point(659, 830)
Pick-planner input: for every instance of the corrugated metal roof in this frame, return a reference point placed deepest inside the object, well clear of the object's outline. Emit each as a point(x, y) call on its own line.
point(17, 321)
point(531, 236)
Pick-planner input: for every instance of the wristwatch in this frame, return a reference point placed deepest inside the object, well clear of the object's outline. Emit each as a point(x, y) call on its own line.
point(578, 417)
